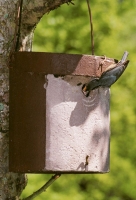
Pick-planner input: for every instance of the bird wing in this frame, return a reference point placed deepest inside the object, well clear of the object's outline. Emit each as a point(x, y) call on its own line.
point(107, 81)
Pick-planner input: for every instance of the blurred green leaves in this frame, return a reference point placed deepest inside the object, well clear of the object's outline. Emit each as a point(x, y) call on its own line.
point(67, 30)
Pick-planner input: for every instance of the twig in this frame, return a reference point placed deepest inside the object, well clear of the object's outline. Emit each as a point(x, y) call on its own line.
point(91, 26)
point(70, 2)
point(43, 188)
point(124, 57)
point(19, 24)
point(16, 37)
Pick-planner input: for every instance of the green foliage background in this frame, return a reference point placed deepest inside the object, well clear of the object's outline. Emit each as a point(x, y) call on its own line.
point(67, 30)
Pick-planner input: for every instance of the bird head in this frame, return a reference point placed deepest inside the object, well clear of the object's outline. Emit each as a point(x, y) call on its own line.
point(87, 87)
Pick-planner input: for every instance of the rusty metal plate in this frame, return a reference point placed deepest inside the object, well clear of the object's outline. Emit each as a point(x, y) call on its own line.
point(60, 63)
point(27, 122)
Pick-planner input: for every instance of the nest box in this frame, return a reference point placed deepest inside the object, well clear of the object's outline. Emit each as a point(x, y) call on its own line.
point(54, 127)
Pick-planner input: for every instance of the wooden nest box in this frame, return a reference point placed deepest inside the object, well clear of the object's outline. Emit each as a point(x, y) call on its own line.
point(54, 127)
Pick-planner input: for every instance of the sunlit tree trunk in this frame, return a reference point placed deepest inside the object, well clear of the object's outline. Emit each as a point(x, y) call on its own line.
point(18, 19)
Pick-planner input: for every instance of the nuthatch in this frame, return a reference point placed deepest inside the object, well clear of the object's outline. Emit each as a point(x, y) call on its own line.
point(108, 77)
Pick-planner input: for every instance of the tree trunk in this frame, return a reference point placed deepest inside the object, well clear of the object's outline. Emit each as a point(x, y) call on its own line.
point(18, 19)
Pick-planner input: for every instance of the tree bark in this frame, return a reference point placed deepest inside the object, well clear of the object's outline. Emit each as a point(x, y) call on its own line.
point(16, 34)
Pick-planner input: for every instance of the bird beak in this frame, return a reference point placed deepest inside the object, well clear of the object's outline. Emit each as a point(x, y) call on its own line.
point(84, 88)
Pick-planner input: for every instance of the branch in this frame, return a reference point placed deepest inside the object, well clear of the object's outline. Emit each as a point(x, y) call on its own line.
point(43, 188)
point(34, 10)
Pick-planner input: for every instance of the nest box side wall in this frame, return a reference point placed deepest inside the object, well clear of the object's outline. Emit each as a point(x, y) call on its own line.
point(77, 127)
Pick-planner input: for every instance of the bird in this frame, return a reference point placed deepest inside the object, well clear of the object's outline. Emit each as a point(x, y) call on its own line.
point(108, 77)
point(87, 87)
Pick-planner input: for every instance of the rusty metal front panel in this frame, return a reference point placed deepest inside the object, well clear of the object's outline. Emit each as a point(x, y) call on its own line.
point(60, 63)
point(27, 122)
